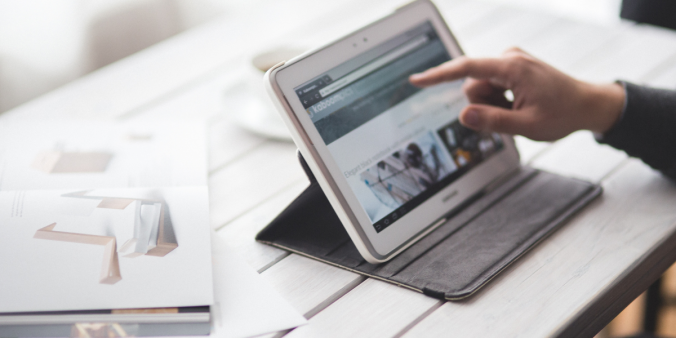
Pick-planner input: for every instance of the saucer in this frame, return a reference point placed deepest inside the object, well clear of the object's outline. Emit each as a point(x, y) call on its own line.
point(254, 113)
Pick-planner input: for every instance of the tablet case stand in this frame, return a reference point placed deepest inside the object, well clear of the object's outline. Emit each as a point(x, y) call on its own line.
point(482, 238)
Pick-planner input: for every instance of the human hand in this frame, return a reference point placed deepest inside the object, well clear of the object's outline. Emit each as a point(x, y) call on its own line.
point(547, 105)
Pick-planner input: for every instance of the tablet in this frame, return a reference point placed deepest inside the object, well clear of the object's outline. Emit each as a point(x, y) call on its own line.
point(392, 159)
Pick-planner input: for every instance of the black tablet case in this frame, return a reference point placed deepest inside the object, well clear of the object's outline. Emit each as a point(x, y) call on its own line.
point(481, 238)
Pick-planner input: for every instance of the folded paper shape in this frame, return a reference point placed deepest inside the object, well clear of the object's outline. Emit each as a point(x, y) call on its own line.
point(53, 162)
point(110, 270)
point(153, 233)
point(153, 230)
point(115, 203)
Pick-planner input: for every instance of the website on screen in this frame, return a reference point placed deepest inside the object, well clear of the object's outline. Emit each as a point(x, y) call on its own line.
point(397, 145)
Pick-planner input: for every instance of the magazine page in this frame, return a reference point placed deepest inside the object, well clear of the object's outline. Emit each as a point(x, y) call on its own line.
point(81, 154)
point(104, 249)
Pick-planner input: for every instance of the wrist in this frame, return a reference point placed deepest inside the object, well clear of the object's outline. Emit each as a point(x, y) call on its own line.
point(604, 105)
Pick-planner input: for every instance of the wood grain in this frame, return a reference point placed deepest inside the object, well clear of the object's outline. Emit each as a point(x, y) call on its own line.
point(227, 142)
point(665, 78)
point(529, 149)
point(372, 309)
point(240, 233)
point(630, 56)
point(460, 15)
point(579, 155)
point(520, 27)
point(254, 178)
point(310, 285)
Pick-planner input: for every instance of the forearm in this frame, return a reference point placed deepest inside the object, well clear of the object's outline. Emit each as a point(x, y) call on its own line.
point(601, 106)
point(647, 128)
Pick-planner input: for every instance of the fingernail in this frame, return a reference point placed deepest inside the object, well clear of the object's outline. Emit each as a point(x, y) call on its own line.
point(471, 118)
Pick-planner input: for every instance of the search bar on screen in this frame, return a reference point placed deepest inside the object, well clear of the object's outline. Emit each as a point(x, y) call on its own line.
point(373, 65)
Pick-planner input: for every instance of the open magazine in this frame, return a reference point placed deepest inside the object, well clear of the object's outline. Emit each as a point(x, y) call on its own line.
point(104, 216)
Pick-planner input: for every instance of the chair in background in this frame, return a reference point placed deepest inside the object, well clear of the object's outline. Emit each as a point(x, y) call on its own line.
point(655, 12)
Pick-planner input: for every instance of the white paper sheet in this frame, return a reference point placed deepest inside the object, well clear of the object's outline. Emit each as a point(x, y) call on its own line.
point(53, 258)
point(85, 154)
point(245, 304)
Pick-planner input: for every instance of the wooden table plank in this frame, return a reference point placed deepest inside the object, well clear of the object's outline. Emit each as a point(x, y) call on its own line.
point(485, 23)
point(571, 268)
point(664, 77)
point(521, 26)
point(264, 172)
point(201, 99)
point(568, 42)
point(240, 233)
point(529, 149)
point(460, 15)
point(629, 57)
point(372, 309)
point(310, 285)
point(228, 142)
point(579, 155)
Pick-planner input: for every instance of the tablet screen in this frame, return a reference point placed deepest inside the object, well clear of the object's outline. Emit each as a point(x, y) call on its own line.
point(396, 144)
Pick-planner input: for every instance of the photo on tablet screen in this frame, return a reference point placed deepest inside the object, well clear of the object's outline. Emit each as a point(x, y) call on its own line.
point(404, 174)
point(396, 144)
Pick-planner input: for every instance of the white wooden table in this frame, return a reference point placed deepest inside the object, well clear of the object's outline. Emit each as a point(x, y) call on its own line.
point(572, 284)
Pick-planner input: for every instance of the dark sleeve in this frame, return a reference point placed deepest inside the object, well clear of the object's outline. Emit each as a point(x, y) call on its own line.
point(647, 128)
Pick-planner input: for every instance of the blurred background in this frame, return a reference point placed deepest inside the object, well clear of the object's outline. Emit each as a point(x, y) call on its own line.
point(45, 44)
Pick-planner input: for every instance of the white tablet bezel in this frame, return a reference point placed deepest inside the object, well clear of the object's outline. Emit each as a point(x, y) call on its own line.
point(374, 246)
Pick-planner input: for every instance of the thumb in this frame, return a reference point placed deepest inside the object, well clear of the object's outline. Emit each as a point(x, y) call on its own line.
point(481, 117)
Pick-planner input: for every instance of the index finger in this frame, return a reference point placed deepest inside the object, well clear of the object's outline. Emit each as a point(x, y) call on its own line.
point(460, 68)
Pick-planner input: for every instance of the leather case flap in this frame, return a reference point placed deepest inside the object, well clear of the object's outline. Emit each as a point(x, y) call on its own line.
point(452, 262)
